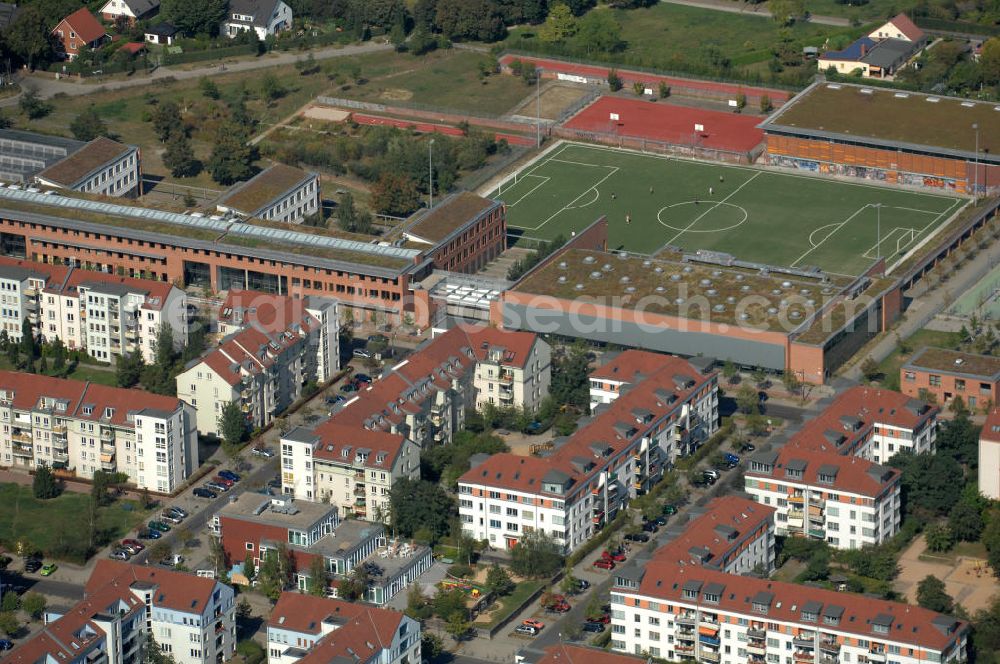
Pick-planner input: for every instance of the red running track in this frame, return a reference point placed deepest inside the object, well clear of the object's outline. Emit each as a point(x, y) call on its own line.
point(669, 123)
point(597, 73)
point(432, 127)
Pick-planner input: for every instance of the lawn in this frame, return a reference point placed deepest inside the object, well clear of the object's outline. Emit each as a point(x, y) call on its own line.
point(756, 215)
point(871, 10)
point(95, 374)
point(679, 38)
point(889, 367)
point(514, 600)
point(60, 527)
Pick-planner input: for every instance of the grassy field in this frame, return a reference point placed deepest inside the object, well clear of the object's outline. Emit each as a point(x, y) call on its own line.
point(874, 10)
point(99, 375)
point(665, 36)
point(756, 215)
point(60, 524)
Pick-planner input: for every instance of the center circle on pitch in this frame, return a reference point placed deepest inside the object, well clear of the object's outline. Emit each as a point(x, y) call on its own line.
point(723, 217)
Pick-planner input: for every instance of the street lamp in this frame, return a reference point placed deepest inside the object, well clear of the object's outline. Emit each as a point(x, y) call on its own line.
point(430, 173)
point(878, 229)
point(975, 187)
point(538, 107)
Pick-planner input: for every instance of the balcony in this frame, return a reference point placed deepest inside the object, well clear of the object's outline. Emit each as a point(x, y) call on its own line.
point(876, 655)
point(360, 502)
point(756, 633)
point(828, 659)
point(829, 645)
point(19, 437)
point(506, 379)
point(107, 435)
point(23, 451)
point(60, 457)
point(681, 647)
point(708, 620)
point(797, 499)
point(818, 533)
point(805, 656)
point(686, 619)
point(108, 462)
point(598, 518)
point(709, 655)
point(804, 640)
point(756, 647)
point(60, 429)
point(359, 490)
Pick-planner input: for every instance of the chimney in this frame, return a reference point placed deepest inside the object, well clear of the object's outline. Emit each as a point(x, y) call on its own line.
point(864, 49)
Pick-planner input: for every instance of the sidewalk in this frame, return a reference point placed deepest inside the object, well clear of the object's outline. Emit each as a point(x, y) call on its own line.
point(48, 87)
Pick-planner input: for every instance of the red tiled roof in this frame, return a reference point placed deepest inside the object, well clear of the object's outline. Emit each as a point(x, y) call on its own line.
point(304, 613)
point(29, 388)
point(255, 348)
point(910, 624)
point(133, 47)
point(273, 313)
point(507, 470)
point(854, 474)
point(335, 438)
point(85, 25)
point(631, 366)
point(991, 427)
point(563, 653)
point(740, 514)
point(180, 591)
point(907, 27)
point(516, 345)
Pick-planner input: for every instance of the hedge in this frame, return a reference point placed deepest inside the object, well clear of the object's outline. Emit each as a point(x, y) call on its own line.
point(713, 443)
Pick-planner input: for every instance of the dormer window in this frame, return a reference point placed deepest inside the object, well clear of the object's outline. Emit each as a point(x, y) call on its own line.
point(759, 608)
point(880, 629)
point(690, 594)
point(831, 620)
point(711, 598)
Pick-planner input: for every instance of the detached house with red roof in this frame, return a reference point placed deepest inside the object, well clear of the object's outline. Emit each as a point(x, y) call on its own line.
point(667, 408)
point(879, 54)
point(79, 29)
point(280, 344)
point(314, 630)
point(689, 613)
point(84, 427)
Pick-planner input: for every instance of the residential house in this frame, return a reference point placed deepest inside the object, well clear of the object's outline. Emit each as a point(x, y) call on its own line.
point(78, 30)
point(162, 34)
point(129, 11)
point(689, 613)
point(265, 17)
point(879, 54)
point(278, 193)
point(620, 453)
point(315, 630)
point(949, 374)
point(252, 526)
point(83, 427)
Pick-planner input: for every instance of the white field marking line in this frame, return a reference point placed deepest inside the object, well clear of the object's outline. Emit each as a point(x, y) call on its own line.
point(614, 169)
point(930, 236)
point(495, 192)
point(829, 235)
point(699, 217)
point(709, 164)
point(817, 230)
point(543, 179)
point(597, 197)
point(577, 163)
point(871, 252)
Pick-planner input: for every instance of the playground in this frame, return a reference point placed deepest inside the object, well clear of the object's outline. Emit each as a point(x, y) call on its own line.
point(968, 579)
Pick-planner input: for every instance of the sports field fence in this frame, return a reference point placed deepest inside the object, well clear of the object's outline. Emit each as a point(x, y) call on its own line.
point(680, 148)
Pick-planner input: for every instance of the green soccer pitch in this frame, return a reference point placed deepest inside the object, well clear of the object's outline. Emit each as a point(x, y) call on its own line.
point(756, 215)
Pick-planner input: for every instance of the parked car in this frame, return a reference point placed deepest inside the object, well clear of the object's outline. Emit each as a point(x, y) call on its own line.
point(150, 534)
point(216, 486)
point(133, 546)
point(531, 622)
point(650, 527)
point(660, 520)
point(6, 644)
point(617, 556)
point(362, 378)
point(334, 399)
point(176, 512)
point(172, 560)
point(119, 554)
point(229, 475)
point(159, 525)
point(593, 627)
point(747, 447)
point(637, 537)
point(262, 452)
point(714, 474)
point(348, 387)
point(670, 510)
point(48, 569)
point(219, 479)
point(526, 630)
point(202, 492)
point(171, 518)
point(582, 585)
point(274, 483)
point(604, 564)
point(32, 565)
point(362, 353)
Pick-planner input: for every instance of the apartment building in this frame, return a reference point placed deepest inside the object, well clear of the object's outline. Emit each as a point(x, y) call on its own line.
point(350, 467)
point(950, 374)
point(989, 456)
point(106, 315)
point(512, 368)
point(847, 501)
point(125, 607)
point(731, 534)
point(278, 193)
point(619, 454)
point(316, 630)
point(871, 423)
point(252, 525)
point(264, 365)
point(569, 653)
point(82, 427)
point(689, 613)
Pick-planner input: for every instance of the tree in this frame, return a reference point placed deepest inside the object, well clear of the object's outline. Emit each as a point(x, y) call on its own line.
point(271, 88)
point(194, 17)
point(931, 594)
point(179, 156)
point(32, 106)
point(34, 604)
point(349, 218)
point(536, 555)
point(730, 372)
point(397, 36)
point(560, 26)
point(989, 61)
point(939, 538)
point(88, 125)
point(167, 122)
point(45, 485)
point(208, 87)
point(448, 603)
point(232, 156)
point(747, 400)
point(498, 581)
point(318, 577)
point(128, 369)
point(355, 586)
point(28, 346)
point(929, 481)
point(470, 19)
point(232, 427)
point(417, 606)
point(766, 106)
point(791, 381)
point(10, 601)
point(431, 646)
point(614, 80)
point(458, 625)
point(870, 369)
point(600, 31)
point(966, 521)
point(395, 194)
point(29, 37)
point(269, 580)
point(417, 504)
point(664, 91)
point(9, 623)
